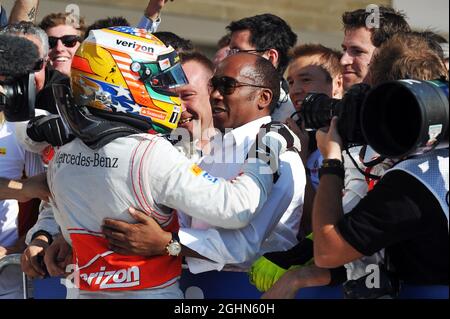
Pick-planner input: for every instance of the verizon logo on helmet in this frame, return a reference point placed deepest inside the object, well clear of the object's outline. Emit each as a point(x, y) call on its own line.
point(136, 46)
point(123, 278)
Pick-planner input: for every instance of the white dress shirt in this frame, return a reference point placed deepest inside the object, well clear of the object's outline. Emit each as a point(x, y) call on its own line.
point(273, 228)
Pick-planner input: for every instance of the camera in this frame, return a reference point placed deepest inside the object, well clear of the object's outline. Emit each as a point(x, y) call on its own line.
point(397, 119)
point(318, 110)
point(19, 58)
point(17, 98)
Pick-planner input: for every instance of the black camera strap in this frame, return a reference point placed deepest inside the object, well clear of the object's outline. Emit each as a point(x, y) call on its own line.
point(370, 164)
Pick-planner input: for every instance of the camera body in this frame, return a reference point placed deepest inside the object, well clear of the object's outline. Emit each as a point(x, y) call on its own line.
point(318, 110)
point(19, 58)
point(17, 98)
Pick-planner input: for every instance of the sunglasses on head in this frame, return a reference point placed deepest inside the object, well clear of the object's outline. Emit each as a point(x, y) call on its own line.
point(252, 51)
point(227, 85)
point(69, 41)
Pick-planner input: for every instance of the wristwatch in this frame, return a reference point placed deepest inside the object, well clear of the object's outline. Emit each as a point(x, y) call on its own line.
point(173, 248)
point(332, 167)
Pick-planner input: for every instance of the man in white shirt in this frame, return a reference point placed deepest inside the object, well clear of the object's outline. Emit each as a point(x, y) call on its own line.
point(242, 101)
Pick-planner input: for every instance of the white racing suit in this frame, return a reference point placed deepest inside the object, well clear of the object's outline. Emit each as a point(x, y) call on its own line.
point(146, 172)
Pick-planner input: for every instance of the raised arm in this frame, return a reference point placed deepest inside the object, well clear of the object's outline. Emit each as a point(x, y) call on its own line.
point(152, 15)
point(154, 8)
point(24, 10)
point(24, 190)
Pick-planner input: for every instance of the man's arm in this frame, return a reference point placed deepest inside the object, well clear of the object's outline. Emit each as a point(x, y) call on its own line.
point(330, 248)
point(154, 7)
point(146, 238)
point(240, 246)
point(17, 248)
point(292, 281)
point(24, 10)
point(46, 223)
point(152, 15)
point(25, 190)
point(223, 246)
point(185, 186)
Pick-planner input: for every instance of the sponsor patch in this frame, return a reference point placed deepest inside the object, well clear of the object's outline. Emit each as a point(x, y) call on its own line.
point(196, 170)
point(164, 64)
point(210, 178)
point(153, 114)
point(2, 151)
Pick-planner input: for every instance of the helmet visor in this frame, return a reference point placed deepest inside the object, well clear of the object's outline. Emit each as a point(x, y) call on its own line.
point(169, 79)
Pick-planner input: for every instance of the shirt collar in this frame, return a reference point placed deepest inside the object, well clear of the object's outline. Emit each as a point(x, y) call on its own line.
point(240, 135)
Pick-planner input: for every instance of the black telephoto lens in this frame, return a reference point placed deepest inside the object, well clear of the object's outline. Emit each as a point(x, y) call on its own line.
point(407, 117)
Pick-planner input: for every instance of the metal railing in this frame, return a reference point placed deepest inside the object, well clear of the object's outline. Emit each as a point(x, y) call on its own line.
point(14, 260)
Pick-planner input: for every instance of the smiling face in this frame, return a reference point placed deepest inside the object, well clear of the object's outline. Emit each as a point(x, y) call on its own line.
point(61, 55)
point(358, 51)
point(305, 75)
point(194, 98)
point(246, 103)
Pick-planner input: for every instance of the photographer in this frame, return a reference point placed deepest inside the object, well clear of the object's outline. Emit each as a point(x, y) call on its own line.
point(15, 162)
point(45, 75)
point(15, 59)
point(403, 56)
point(402, 214)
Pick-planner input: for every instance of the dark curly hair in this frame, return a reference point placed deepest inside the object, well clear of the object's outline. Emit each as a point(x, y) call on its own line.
point(178, 43)
point(107, 23)
point(268, 32)
point(391, 22)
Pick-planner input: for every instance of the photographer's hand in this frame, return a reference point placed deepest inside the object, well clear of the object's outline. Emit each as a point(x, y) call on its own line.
point(26, 189)
point(330, 142)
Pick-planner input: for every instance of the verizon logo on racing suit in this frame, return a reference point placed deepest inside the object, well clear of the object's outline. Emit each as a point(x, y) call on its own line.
point(100, 269)
point(123, 278)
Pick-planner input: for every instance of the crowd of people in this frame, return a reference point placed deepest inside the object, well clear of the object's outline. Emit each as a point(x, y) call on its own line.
point(156, 155)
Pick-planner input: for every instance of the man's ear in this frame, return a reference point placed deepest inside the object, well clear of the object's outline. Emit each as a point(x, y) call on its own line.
point(265, 99)
point(338, 87)
point(273, 56)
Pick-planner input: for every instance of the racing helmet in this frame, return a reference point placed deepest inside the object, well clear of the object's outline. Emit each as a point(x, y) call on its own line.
point(128, 70)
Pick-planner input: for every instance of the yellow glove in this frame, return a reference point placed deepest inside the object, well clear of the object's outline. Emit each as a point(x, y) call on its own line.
point(265, 272)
